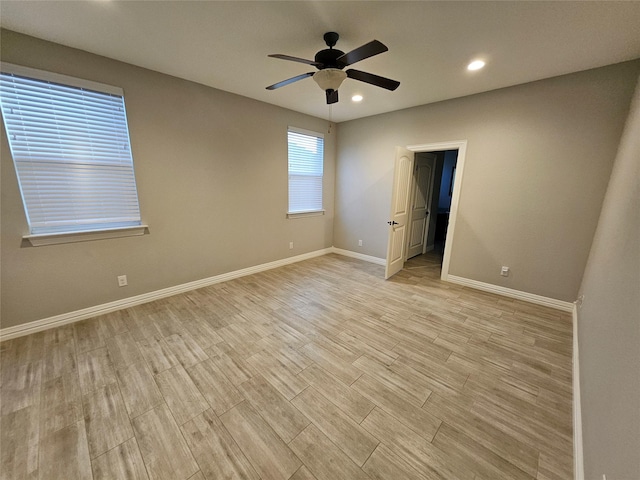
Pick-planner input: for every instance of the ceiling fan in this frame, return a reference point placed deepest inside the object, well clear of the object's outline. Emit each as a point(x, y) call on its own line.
point(330, 63)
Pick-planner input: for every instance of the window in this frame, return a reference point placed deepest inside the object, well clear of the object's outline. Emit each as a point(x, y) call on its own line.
point(70, 145)
point(306, 162)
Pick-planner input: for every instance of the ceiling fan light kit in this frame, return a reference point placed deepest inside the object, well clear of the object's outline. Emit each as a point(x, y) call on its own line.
point(329, 78)
point(330, 63)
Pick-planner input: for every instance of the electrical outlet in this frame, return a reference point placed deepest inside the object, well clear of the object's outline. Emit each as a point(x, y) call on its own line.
point(504, 271)
point(122, 281)
point(290, 245)
point(359, 243)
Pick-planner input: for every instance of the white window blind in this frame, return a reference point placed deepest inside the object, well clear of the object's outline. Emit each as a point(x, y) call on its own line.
point(70, 146)
point(306, 163)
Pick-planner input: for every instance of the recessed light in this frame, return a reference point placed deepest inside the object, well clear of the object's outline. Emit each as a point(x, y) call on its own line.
point(475, 65)
point(356, 98)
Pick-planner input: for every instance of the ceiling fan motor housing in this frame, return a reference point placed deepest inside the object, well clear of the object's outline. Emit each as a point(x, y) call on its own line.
point(328, 58)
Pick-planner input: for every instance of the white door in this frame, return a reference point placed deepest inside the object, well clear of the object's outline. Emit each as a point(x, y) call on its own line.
point(420, 202)
point(399, 211)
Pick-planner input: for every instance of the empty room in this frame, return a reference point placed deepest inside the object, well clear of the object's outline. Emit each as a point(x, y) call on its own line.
point(330, 240)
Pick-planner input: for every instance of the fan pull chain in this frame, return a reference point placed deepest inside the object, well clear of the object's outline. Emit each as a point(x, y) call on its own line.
point(330, 117)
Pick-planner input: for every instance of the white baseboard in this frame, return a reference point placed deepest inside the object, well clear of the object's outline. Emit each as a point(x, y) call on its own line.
point(360, 256)
point(578, 459)
point(75, 316)
point(509, 292)
point(70, 317)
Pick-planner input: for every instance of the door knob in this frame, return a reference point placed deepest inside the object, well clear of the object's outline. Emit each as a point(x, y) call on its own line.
point(393, 223)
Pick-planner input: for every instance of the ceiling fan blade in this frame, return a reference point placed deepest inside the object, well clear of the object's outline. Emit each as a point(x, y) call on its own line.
point(332, 96)
point(373, 79)
point(289, 80)
point(295, 59)
point(367, 50)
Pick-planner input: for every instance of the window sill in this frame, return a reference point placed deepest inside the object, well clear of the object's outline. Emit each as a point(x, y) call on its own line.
point(42, 239)
point(314, 213)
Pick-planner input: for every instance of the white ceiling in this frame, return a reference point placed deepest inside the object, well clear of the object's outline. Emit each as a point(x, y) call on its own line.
point(225, 44)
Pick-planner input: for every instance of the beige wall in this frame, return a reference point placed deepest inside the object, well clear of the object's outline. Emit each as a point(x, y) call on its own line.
point(538, 160)
point(609, 322)
point(211, 169)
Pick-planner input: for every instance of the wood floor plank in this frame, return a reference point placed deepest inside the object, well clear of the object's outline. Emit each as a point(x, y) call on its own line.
point(138, 387)
point(350, 437)
point(142, 324)
point(123, 350)
point(21, 350)
point(410, 337)
point(114, 323)
point(285, 336)
point(386, 465)
point(59, 359)
point(238, 338)
point(269, 455)
point(19, 440)
point(413, 417)
point(280, 356)
point(182, 396)
point(323, 458)
point(359, 344)
point(538, 433)
point(456, 411)
point(282, 379)
point(370, 333)
point(433, 366)
point(166, 321)
point(421, 455)
point(163, 448)
point(87, 335)
point(347, 399)
point(281, 415)
point(95, 370)
point(335, 346)
point(157, 354)
point(60, 403)
point(216, 388)
point(466, 451)
point(203, 333)
point(185, 349)
point(58, 335)
point(122, 462)
point(64, 454)
point(21, 386)
point(214, 449)
point(106, 419)
point(234, 366)
point(338, 367)
point(552, 467)
point(406, 382)
point(303, 473)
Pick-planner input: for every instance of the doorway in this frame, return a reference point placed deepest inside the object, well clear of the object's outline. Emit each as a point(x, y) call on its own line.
point(425, 196)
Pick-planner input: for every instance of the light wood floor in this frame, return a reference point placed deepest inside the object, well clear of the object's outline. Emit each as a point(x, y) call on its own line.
point(320, 369)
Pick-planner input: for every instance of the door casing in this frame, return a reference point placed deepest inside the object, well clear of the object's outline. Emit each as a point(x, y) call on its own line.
point(461, 147)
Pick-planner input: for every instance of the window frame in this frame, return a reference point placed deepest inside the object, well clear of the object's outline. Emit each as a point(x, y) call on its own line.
point(77, 235)
point(311, 212)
